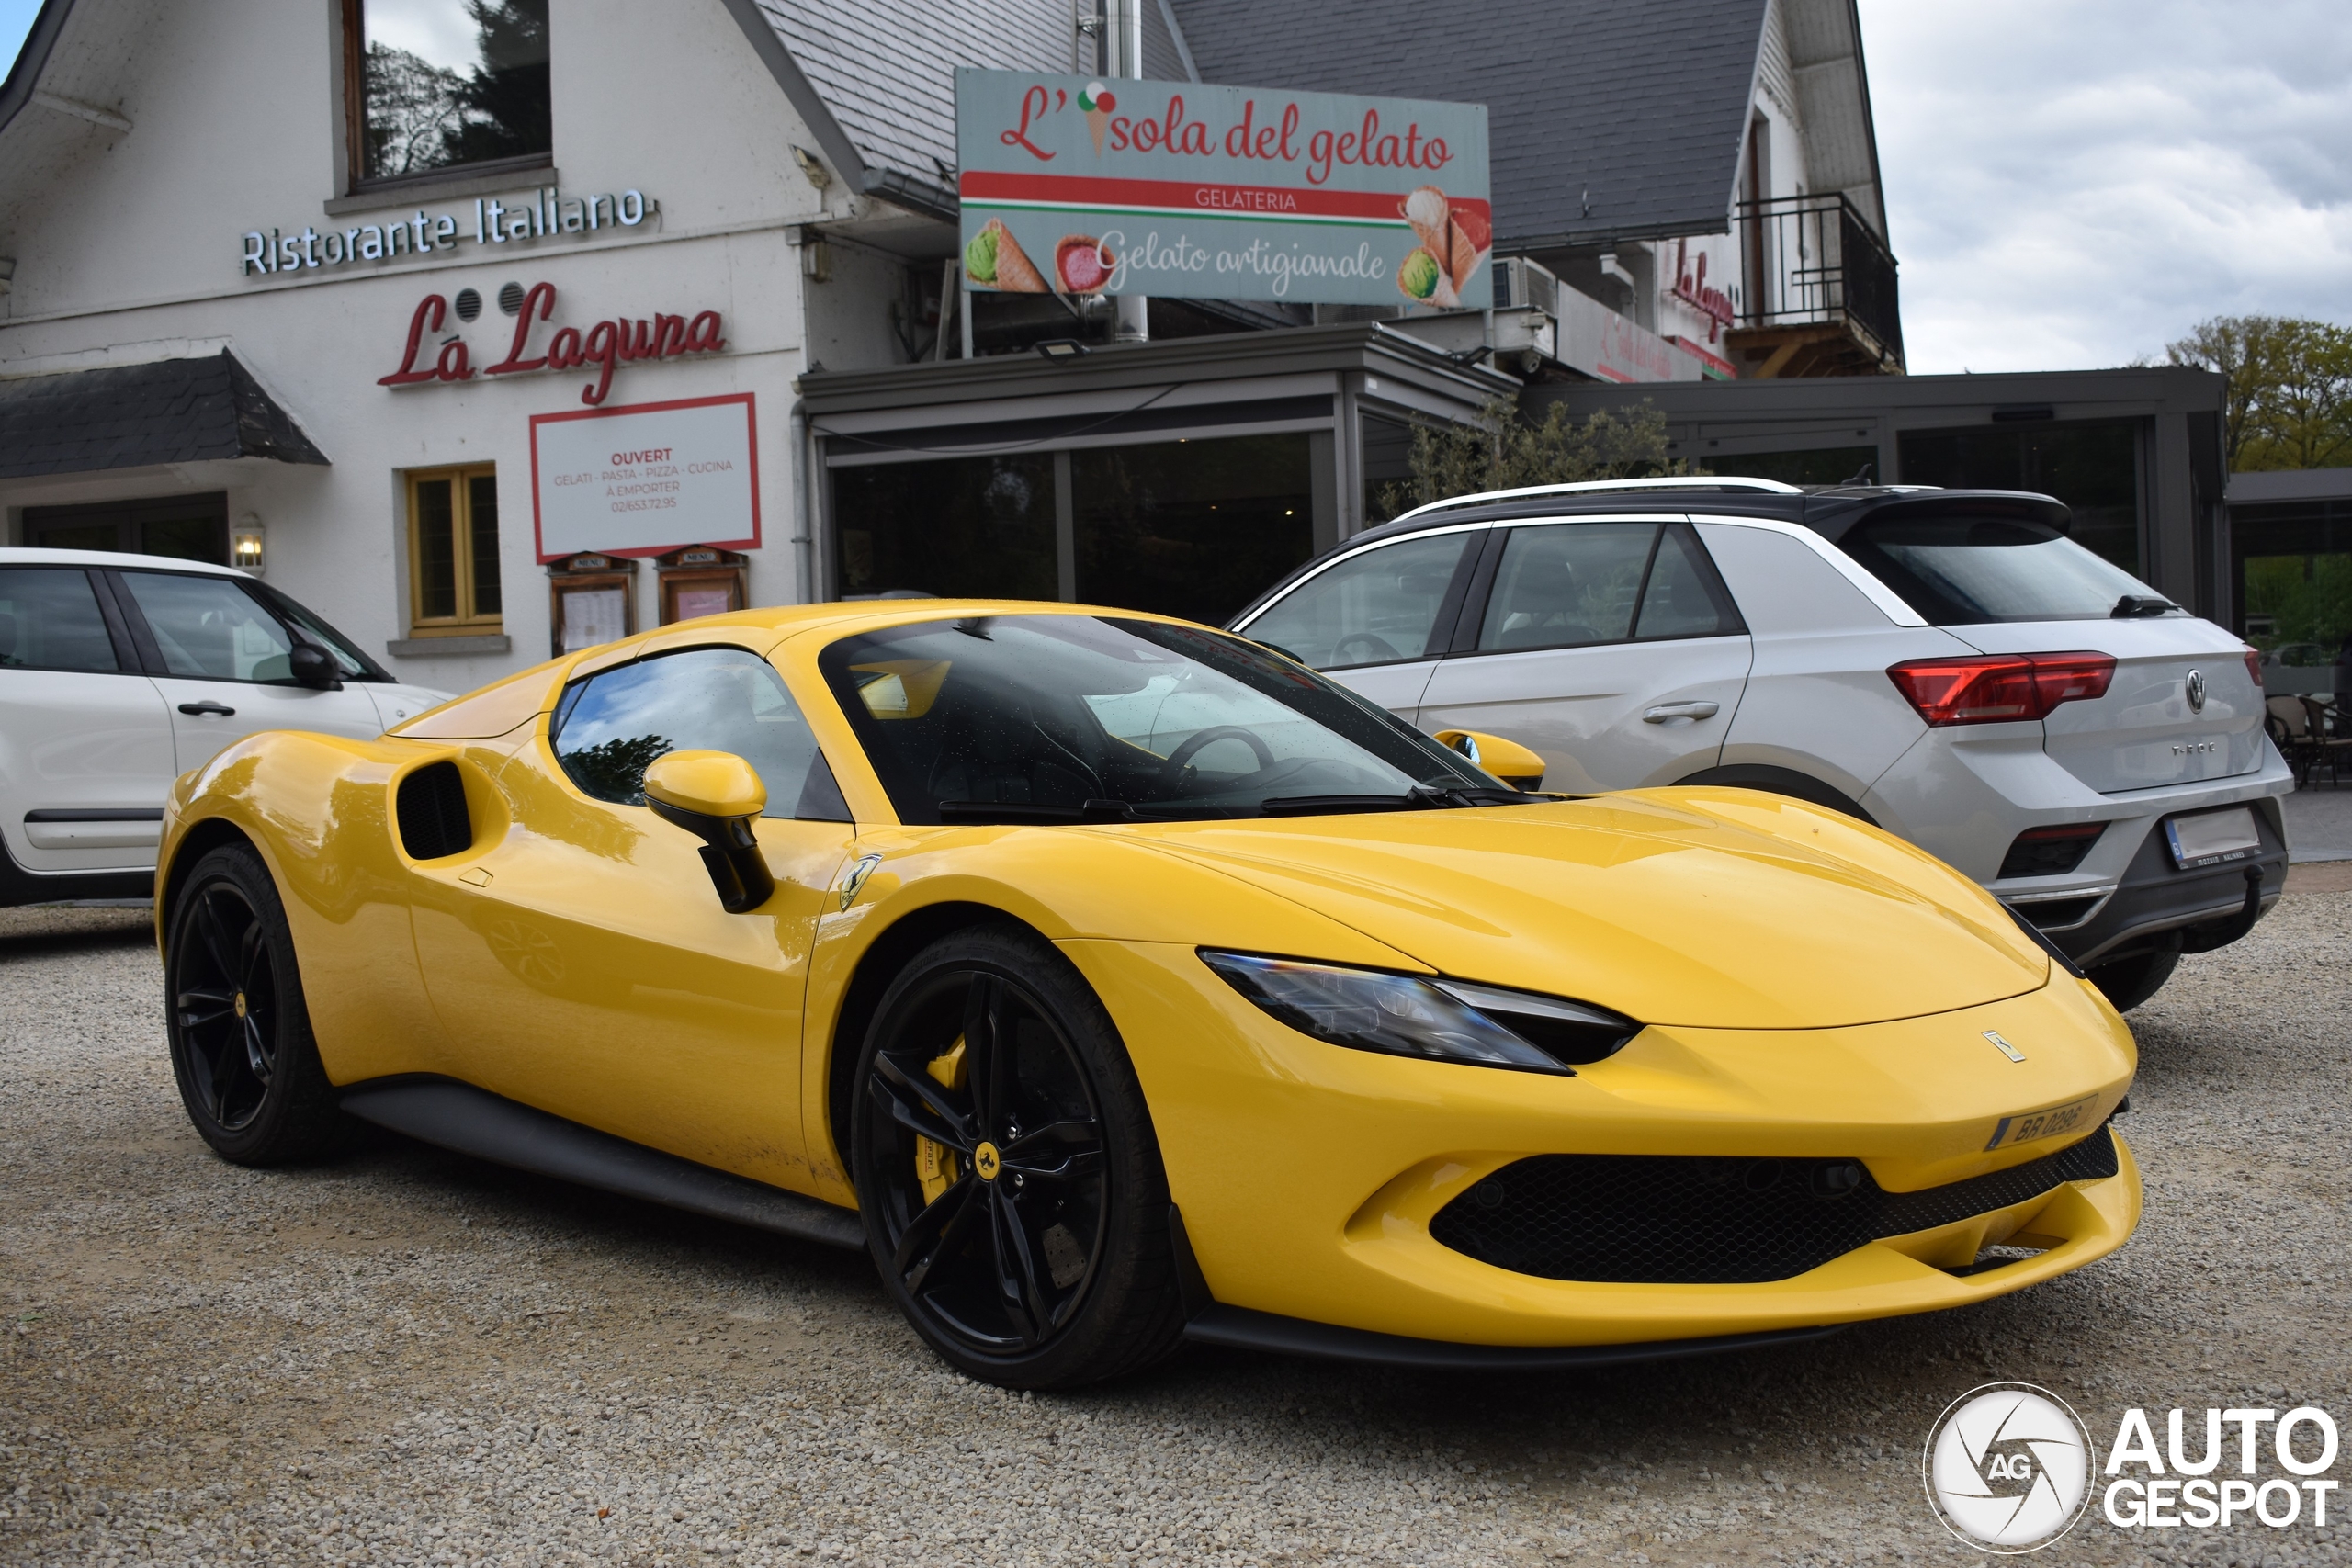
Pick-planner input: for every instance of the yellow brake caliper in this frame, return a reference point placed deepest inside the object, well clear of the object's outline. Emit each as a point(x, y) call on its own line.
point(936, 1166)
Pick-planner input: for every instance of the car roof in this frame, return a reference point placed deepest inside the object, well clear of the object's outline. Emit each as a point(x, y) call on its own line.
point(1829, 512)
point(18, 555)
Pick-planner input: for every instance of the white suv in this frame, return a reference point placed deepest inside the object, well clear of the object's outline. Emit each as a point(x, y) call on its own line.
point(1946, 664)
point(119, 672)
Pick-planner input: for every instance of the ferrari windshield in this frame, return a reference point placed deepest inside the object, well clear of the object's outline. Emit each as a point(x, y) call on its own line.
point(1047, 719)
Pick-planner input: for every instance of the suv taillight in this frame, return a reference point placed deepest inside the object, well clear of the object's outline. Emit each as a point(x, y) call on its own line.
point(2000, 688)
point(2254, 667)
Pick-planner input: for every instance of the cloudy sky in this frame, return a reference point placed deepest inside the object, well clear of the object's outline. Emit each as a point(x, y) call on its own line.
point(2075, 183)
point(2072, 183)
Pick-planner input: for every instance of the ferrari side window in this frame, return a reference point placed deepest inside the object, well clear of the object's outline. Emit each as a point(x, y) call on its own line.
point(611, 725)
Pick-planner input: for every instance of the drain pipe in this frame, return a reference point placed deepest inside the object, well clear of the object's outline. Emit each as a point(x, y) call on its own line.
point(804, 560)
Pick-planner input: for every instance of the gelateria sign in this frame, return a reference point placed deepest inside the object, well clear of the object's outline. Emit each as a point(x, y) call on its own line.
point(429, 357)
point(536, 215)
point(1078, 186)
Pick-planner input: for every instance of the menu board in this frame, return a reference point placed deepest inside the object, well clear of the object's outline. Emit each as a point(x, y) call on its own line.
point(643, 478)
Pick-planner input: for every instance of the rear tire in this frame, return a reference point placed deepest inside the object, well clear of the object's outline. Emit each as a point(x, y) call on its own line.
point(2128, 982)
point(1006, 1167)
point(242, 1049)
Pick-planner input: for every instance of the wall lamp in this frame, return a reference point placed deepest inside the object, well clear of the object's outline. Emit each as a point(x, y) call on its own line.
point(246, 544)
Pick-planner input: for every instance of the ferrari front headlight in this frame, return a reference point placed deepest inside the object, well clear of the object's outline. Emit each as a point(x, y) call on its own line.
point(1403, 1015)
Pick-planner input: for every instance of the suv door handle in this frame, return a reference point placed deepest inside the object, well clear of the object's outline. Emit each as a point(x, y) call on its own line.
point(1665, 711)
point(198, 710)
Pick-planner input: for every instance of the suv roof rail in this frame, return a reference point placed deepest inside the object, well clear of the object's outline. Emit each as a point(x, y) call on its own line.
point(1588, 487)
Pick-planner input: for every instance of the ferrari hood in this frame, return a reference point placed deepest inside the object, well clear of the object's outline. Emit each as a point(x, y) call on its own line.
point(1714, 908)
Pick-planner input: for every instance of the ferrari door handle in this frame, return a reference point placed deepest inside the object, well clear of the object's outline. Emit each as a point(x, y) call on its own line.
point(1665, 711)
point(218, 710)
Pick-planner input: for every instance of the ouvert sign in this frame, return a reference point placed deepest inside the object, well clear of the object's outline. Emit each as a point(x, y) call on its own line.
point(1076, 187)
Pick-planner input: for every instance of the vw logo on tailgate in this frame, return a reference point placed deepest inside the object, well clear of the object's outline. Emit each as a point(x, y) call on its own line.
point(2196, 690)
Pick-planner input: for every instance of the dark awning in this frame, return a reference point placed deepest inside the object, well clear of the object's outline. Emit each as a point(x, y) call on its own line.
point(130, 416)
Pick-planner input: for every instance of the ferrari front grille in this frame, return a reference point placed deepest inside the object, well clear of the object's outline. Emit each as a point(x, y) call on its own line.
point(1701, 1220)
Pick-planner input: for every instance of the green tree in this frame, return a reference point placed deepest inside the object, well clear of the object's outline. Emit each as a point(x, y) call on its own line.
point(2290, 399)
point(1504, 450)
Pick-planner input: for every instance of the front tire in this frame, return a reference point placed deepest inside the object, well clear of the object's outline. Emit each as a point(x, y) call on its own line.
point(242, 1049)
point(2128, 982)
point(1007, 1170)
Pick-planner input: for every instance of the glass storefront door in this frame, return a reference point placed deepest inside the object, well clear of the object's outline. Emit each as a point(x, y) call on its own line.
point(1191, 528)
point(980, 527)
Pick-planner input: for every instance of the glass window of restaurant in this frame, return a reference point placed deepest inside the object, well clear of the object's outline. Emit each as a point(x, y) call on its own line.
point(2294, 589)
point(1187, 527)
point(185, 527)
point(2091, 465)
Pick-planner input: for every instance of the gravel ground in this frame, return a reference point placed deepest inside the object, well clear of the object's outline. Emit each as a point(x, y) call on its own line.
point(411, 1358)
point(2319, 823)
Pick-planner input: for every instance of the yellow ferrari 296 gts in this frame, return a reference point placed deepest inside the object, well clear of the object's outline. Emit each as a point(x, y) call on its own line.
point(1115, 981)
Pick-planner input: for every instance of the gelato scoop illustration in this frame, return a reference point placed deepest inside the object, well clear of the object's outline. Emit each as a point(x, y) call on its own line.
point(1097, 106)
point(994, 259)
point(1455, 241)
point(1082, 264)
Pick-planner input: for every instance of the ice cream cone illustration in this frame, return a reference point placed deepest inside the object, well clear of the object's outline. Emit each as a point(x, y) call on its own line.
point(1426, 211)
point(1422, 279)
point(1097, 106)
point(1470, 238)
point(995, 260)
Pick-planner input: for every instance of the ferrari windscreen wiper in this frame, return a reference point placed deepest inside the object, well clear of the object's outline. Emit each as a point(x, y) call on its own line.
point(1420, 798)
point(1023, 813)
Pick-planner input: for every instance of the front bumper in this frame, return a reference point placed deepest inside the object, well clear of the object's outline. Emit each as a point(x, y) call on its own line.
point(1309, 1175)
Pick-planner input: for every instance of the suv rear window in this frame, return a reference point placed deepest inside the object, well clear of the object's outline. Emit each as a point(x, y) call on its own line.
point(1967, 570)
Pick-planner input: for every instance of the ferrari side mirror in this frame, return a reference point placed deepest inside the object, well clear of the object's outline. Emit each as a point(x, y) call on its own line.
point(313, 666)
point(714, 795)
point(1506, 760)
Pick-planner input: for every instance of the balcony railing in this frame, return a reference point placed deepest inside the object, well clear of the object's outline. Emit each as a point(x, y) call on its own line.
point(1812, 260)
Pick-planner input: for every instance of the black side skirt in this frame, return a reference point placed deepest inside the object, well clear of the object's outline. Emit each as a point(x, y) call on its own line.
point(1239, 1329)
point(19, 886)
point(475, 1122)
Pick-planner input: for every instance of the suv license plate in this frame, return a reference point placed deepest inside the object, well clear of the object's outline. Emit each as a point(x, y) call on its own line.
point(2212, 837)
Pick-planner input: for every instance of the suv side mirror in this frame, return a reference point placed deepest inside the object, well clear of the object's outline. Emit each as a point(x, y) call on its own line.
point(1506, 760)
point(314, 667)
point(714, 795)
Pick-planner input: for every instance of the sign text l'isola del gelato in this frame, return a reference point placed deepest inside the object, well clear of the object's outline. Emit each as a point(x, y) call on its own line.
point(1076, 186)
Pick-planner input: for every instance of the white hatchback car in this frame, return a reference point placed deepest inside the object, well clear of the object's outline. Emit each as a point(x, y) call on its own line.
point(1946, 664)
point(119, 672)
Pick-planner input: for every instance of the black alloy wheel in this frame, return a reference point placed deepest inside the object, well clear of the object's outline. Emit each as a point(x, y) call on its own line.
point(242, 1050)
point(1006, 1167)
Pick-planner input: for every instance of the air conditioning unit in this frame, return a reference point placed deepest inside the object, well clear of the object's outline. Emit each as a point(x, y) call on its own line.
point(1520, 282)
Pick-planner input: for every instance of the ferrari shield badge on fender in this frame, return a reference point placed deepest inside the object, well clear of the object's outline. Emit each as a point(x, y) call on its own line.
point(2011, 1051)
point(865, 868)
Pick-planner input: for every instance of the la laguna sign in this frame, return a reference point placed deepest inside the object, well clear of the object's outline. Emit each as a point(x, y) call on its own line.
point(606, 344)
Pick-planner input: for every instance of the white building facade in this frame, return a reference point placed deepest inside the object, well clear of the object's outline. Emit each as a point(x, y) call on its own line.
point(489, 329)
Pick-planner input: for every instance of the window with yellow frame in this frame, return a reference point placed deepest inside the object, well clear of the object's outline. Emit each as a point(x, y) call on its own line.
point(453, 552)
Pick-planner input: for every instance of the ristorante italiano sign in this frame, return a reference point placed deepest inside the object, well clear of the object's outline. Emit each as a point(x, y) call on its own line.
point(1076, 186)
